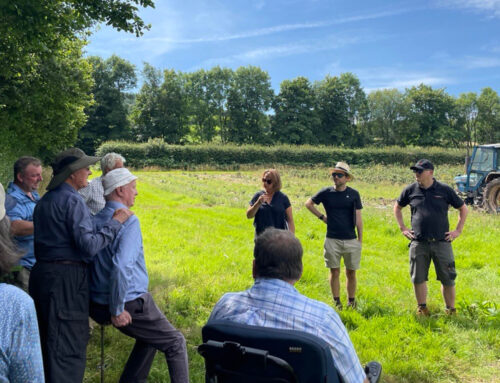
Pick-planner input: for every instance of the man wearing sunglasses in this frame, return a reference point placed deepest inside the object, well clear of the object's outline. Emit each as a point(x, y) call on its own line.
point(430, 234)
point(342, 216)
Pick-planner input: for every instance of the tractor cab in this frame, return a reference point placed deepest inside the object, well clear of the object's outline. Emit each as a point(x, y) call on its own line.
point(481, 185)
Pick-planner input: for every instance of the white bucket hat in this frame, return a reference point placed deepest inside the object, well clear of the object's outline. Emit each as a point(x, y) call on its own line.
point(116, 178)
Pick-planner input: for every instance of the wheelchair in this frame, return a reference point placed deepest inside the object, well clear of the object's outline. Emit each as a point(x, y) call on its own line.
point(239, 353)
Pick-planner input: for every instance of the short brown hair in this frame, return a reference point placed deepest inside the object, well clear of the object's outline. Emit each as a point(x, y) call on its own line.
point(273, 176)
point(22, 163)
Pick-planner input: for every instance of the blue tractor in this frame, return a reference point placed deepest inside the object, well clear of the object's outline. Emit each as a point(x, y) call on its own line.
point(481, 185)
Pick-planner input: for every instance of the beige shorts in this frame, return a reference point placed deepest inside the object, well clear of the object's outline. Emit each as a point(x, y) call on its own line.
point(349, 249)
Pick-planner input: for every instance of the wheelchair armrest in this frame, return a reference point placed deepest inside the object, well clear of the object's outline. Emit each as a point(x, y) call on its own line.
point(373, 371)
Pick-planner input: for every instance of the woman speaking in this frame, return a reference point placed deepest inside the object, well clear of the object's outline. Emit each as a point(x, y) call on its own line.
point(270, 207)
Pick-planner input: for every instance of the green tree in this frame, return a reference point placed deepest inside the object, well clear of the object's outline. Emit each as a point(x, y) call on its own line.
point(42, 110)
point(466, 113)
point(161, 106)
point(218, 86)
point(249, 99)
point(385, 115)
point(42, 74)
point(342, 107)
point(296, 118)
point(108, 115)
point(200, 106)
point(488, 105)
point(427, 116)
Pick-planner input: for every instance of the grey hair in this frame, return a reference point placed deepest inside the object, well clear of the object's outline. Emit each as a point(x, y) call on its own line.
point(9, 255)
point(109, 161)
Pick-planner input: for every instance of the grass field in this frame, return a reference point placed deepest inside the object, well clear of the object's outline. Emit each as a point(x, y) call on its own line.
point(198, 245)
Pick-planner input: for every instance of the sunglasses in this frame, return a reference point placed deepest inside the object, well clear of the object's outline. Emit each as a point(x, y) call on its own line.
point(338, 175)
point(269, 182)
point(418, 171)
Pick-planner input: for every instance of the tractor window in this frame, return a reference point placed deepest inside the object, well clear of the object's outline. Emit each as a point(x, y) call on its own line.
point(483, 160)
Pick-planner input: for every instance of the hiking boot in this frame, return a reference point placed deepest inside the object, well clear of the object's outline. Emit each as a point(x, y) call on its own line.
point(423, 311)
point(451, 311)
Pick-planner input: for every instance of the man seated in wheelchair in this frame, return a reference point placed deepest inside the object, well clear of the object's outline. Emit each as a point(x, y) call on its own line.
point(274, 302)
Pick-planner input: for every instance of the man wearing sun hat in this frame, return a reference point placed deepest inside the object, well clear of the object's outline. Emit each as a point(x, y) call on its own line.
point(430, 235)
point(119, 290)
point(342, 216)
point(65, 242)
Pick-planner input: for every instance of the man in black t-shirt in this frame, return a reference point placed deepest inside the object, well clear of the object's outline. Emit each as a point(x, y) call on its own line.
point(430, 235)
point(342, 206)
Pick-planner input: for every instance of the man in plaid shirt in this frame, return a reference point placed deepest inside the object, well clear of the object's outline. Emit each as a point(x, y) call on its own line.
point(93, 193)
point(274, 302)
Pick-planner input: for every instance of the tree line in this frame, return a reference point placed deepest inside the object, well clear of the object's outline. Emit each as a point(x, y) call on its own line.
point(51, 96)
point(239, 106)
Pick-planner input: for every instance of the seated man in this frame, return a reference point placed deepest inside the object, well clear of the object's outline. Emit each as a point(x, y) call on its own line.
point(274, 302)
point(119, 290)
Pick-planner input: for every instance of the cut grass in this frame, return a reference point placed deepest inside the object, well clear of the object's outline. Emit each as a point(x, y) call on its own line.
point(198, 245)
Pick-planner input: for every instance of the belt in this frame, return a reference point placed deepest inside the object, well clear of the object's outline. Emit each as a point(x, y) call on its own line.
point(64, 262)
point(430, 240)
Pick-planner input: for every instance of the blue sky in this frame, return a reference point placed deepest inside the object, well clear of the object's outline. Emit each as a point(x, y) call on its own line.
point(451, 44)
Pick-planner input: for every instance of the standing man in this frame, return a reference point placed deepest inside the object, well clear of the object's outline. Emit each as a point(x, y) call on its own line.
point(65, 242)
point(430, 234)
point(27, 178)
point(342, 206)
point(119, 290)
point(274, 302)
point(93, 194)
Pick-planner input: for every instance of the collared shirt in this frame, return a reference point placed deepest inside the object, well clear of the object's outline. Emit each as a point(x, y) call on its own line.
point(277, 304)
point(93, 195)
point(23, 210)
point(20, 352)
point(429, 208)
point(64, 229)
point(118, 274)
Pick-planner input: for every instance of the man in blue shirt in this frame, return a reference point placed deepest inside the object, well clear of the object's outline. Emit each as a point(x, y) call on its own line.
point(65, 242)
point(27, 178)
point(119, 290)
point(274, 302)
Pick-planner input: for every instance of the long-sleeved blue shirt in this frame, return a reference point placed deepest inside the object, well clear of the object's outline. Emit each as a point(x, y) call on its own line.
point(23, 210)
point(64, 229)
point(118, 274)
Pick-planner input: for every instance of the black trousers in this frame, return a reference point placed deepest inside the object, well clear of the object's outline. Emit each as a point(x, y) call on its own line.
point(61, 298)
point(152, 332)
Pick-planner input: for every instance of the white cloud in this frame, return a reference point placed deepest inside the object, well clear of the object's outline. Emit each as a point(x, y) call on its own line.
point(394, 77)
point(481, 62)
point(489, 7)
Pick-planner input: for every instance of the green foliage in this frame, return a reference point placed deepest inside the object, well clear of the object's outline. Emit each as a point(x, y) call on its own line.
point(341, 104)
point(157, 153)
point(107, 116)
point(160, 108)
point(295, 111)
point(44, 82)
point(249, 97)
point(488, 104)
point(427, 113)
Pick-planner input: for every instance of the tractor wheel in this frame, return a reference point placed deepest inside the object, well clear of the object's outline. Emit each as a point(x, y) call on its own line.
point(491, 199)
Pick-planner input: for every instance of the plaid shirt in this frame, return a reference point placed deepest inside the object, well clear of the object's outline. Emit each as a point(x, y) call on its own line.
point(277, 304)
point(93, 195)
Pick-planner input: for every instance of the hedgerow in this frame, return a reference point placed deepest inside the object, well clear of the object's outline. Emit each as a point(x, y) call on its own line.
point(156, 153)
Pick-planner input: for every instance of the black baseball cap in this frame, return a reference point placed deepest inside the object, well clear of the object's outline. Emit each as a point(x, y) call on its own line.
point(423, 164)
